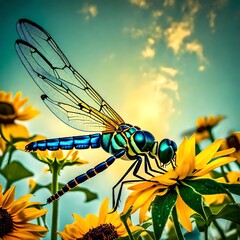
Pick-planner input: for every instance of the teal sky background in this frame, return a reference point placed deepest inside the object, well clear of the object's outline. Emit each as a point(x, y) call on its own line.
point(160, 65)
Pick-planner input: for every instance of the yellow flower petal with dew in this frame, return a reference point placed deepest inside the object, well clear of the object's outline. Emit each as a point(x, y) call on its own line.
point(188, 167)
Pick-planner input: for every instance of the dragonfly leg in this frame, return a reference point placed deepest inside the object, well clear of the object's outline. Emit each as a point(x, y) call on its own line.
point(120, 191)
point(136, 166)
point(85, 176)
point(161, 168)
point(148, 166)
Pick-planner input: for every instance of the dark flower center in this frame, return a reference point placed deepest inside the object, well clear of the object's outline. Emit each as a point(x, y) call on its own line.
point(232, 141)
point(7, 113)
point(202, 129)
point(102, 232)
point(6, 223)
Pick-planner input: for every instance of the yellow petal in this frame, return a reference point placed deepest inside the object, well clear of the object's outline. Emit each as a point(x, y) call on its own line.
point(184, 213)
point(207, 154)
point(81, 223)
point(103, 211)
point(214, 164)
point(8, 198)
point(130, 201)
point(17, 97)
point(15, 131)
point(33, 227)
point(187, 157)
point(57, 154)
point(19, 204)
point(17, 235)
point(28, 113)
point(224, 152)
point(167, 179)
point(141, 186)
point(92, 220)
point(145, 207)
point(29, 214)
point(143, 197)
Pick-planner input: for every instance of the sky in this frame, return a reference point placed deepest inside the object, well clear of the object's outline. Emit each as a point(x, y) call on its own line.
point(160, 65)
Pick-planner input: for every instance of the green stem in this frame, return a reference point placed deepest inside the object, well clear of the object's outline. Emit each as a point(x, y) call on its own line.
point(206, 232)
point(8, 185)
point(176, 224)
point(224, 174)
point(211, 135)
point(237, 163)
point(11, 150)
point(124, 218)
point(223, 237)
point(2, 158)
point(55, 172)
point(197, 149)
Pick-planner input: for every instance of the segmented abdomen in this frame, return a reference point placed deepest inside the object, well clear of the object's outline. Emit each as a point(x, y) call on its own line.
point(78, 142)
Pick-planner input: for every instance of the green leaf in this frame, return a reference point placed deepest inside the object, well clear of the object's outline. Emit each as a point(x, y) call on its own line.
point(216, 174)
point(207, 186)
point(229, 212)
point(201, 223)
point(233, 188)
point(192, 199)
point(161, 209)
point(15, 171)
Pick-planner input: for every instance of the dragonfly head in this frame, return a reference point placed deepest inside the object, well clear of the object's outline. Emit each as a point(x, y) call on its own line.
point(167, 151)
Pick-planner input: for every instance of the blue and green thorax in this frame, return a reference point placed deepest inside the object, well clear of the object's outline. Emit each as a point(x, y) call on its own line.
point(130, 138)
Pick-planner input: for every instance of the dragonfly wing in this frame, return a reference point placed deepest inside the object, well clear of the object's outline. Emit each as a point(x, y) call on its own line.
point(66, 93)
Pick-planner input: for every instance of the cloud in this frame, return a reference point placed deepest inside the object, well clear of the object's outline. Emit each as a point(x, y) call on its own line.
point(134, 32)
point(191, 7)
point(149, 52)
point(157, 13)
point(195, 47)
point(89, 10)
point(168, 3)
point(176, 34)
point(212, 17)
point(170, 71)
point(140, 3)
point(151, 104)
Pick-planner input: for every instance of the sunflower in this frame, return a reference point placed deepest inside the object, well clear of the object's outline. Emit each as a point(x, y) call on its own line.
point(204, 126)
point(189, 168)
point(11, 111)
point(104, 226)
point(233, 140)
point(15, 217)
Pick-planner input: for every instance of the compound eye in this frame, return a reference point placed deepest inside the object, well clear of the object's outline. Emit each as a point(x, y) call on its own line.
point(139, 139)
point(166, 151)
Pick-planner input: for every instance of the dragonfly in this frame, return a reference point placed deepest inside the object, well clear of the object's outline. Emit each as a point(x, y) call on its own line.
point(75, 102)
